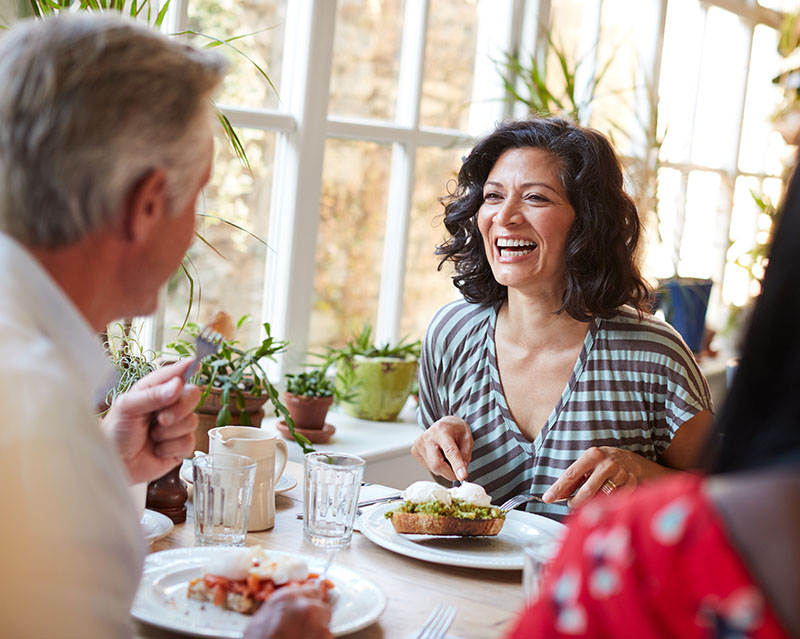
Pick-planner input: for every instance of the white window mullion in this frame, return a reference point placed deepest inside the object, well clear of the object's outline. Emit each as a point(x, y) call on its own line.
point(724, 214)
point(495, 38)
point(297, 181)
point(177, 19)
point(589, 44)
point(530, 36)
point(401, 185)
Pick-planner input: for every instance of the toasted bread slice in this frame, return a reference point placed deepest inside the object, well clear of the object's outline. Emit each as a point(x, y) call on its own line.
point(233, 601)
point(416, 524)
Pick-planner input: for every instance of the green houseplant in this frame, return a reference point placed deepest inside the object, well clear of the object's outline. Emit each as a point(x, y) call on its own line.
point(235, 385)
point(130, 359)
point(308, 397)
point(374, 381)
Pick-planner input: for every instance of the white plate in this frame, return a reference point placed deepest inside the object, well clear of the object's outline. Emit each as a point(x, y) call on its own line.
point(501, 552)
point(161, 599)
point(285, 483)
point(155, 525)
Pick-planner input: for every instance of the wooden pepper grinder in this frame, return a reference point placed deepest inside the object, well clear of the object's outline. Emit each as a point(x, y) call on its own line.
point(168, 495)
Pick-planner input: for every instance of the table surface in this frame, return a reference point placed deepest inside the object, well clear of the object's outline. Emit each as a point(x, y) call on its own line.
point(487, 600)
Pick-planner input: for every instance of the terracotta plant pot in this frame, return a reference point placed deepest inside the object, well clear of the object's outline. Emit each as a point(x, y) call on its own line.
point(307, 412)
point(208, 415)
point(383, 386)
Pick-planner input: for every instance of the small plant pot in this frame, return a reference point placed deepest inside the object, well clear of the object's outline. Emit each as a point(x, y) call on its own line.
point(383, 385)
point(207, 415)
point(308, 413)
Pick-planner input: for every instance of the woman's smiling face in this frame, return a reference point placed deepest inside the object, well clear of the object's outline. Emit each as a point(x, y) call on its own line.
point(524, 221)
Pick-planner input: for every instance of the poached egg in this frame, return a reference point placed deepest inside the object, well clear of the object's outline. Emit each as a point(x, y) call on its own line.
point(239, 563)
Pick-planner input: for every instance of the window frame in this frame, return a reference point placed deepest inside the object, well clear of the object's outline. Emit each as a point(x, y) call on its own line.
point(303, 126)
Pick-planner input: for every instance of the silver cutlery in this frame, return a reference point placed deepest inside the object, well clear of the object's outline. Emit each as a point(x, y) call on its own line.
point(438, 623)
point(518, 500)
point(207, 343)
point(369, 502)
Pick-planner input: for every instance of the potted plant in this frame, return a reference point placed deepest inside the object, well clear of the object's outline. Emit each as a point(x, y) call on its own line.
point(374, 381)
point(308, 397)
point(235, 385)
point(166, 494)
point(130, 359)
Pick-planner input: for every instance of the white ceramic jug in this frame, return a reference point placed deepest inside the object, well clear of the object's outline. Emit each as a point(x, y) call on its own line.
point(270, 454)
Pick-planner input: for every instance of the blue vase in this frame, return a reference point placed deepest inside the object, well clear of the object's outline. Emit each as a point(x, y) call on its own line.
point(685, 302)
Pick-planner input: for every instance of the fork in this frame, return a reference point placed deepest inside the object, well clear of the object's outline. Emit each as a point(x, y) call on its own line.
point(437, 623)
point(207, 343)
point(517, 500)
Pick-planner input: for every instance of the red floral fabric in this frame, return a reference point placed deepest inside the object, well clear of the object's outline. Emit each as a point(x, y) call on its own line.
point(655, 563)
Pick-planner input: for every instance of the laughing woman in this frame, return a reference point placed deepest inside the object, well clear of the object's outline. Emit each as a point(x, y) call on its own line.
point(551, 376)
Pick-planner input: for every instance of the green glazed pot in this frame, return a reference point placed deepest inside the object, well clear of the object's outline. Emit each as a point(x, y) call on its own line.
point(383, 386)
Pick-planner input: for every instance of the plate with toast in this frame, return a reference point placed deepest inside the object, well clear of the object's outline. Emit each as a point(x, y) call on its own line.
point(500, 551)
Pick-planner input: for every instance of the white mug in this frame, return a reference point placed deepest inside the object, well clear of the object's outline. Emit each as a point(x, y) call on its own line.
point(270, 454)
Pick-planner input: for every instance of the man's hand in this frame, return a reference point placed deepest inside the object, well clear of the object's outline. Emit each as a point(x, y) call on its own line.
point(292, 612)
point(445, 448)
point(149, 453)
point(600, 464)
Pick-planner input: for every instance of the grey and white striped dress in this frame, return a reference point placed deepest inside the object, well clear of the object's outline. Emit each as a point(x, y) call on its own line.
point(633, 385)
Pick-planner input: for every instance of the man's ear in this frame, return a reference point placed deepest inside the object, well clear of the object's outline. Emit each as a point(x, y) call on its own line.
point(146, 207)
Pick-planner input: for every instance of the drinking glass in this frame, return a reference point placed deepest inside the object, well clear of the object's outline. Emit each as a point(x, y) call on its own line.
point(332, 484)
point(223, 492)
point(537, 554)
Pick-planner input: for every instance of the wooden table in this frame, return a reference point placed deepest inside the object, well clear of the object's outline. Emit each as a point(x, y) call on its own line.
point(487, 600)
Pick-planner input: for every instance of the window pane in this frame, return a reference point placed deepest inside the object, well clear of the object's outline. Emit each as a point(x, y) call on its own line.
point(366, 58)
point(779, 5)
point(660, 261)
point(426, 289)
point(724, 69)
point(234, 280)
point(702, 195)
point(449, 63)
point(763, 150)
point(244, 85)
point(683, 43)
point(565, 19)
point(622, 23)
point(355, 184)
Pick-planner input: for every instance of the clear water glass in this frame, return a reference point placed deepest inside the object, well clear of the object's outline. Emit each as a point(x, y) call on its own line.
point(223, 492)
point(332, 485)
point(537, 554)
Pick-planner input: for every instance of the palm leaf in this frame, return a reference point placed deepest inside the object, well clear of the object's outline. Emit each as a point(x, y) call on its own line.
point(234, 225)
point(236, 143)
point(215, 42)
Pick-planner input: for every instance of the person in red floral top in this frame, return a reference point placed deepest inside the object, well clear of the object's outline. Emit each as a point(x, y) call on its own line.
point(711, 555)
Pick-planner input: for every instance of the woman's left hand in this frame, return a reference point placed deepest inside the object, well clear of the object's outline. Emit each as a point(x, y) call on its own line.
point(615, 467)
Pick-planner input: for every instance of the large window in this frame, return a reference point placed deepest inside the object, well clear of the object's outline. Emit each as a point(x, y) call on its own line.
point(378, 100)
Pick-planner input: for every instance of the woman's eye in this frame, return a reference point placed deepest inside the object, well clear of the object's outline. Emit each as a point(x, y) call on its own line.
point(491, 196)
point(535, 197)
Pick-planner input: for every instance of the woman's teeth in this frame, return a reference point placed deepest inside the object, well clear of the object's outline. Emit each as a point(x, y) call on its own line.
point(515, 248)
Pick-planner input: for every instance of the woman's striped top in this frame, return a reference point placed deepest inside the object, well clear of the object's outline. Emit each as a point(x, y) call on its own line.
point(633, 385)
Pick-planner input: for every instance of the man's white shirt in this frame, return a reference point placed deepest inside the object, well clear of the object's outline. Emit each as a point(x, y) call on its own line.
point(71, 549)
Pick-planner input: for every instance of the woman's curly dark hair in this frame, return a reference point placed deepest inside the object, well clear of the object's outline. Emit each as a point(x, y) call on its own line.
point(601, 251)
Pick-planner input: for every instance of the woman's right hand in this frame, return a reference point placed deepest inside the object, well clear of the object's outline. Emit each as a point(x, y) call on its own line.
point(292, 611)
point(445, 448)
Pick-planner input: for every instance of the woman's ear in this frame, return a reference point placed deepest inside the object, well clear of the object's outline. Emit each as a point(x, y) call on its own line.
point(146, 207)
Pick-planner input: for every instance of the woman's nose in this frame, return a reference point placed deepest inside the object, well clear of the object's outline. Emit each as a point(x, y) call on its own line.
point(509, 213)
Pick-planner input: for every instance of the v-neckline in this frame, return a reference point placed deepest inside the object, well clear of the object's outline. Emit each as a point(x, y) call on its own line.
point(499, 394)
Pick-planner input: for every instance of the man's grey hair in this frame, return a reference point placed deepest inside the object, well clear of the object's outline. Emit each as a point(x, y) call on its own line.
point(89, 106)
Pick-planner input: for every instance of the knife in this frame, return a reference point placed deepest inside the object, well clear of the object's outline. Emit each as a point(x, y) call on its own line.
point(370, 502)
